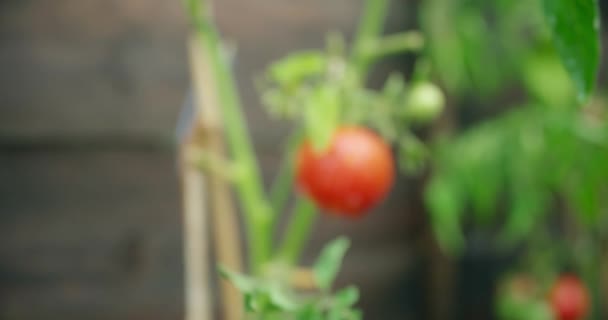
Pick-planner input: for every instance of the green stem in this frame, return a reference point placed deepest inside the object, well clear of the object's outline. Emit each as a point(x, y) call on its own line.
point(249, 186)
point(422, 69)
point(393, 44)
point(207, 161)
point(282, 185)
point(370, 28)
point(298, 231)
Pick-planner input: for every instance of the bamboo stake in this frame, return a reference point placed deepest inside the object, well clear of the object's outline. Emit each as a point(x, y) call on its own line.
point(225, 229)
point(303, 279)
point(196, 246)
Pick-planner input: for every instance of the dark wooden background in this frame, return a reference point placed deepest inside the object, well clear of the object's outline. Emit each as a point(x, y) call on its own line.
point(90, 224)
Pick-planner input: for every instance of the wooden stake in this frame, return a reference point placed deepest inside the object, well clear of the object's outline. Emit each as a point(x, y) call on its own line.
point(196, 243)
point(303, 279)
point(224, 219)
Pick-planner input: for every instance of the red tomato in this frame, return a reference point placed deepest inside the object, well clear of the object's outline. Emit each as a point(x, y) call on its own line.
point(569, 298)
point(351, 175)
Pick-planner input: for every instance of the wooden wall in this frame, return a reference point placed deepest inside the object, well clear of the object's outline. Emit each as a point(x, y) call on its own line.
point(90, 224)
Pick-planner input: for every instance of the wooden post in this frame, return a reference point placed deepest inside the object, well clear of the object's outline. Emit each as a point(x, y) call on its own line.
point(224, 222)
point(196, 240)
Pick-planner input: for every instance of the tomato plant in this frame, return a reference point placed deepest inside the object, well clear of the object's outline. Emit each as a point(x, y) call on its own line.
point(569, 298)
point(344, 165)
point(348, 176)
point(507, 161)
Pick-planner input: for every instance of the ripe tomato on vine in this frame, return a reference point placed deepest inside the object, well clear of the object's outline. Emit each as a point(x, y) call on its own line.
point(569, 298)
point(352, 174)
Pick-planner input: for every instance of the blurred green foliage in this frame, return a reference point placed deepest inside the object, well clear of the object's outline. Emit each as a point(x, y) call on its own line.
point(539, 148)
point(521, 161)
point(527, 155)
point(477, 46)
point(521, 297)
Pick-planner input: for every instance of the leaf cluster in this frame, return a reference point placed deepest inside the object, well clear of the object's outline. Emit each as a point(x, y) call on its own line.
point(521, 160)
point(322, 90)
point(273, 297)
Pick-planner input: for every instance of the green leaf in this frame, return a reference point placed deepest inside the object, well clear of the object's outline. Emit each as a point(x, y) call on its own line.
point(394, 88)
point(329, 262)
point(528, 195)
point(261, 295)
point(322, 115)
point(547, 80)
point(446, 50)
point(481, 63)
point(298, 66)
point(241, 282)
point(412, 154)
point(445, 202)
point(527, 206)
point(281, 298)
point(540, 311)
point(471, 43)
point(336, 312)
point(513, 308)
point(347, 296)
point(311, 312)
point(354, 315)
point(481, 159)
point(586, 199)
point(255, 301)
point(586, 186)
point(575, 27)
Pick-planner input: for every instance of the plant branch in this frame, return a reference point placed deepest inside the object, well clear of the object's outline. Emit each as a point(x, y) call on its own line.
point(249, 186)
point(297, 231)
point(370, 28)
point(375, 49)
point(207, 161)
point(282, 185)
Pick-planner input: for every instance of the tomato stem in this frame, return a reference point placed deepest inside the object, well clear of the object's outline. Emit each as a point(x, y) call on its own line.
point(257, 211)
point(370, 28)
point(282, 185)
point(297, 231)
point(375, 49)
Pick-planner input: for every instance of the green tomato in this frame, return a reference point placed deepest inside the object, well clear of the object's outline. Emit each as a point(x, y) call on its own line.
point(424, 103)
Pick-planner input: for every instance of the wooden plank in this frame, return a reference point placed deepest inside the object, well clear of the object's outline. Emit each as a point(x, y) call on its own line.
point(95, 68)
point(91, 68)
point(89, 236)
